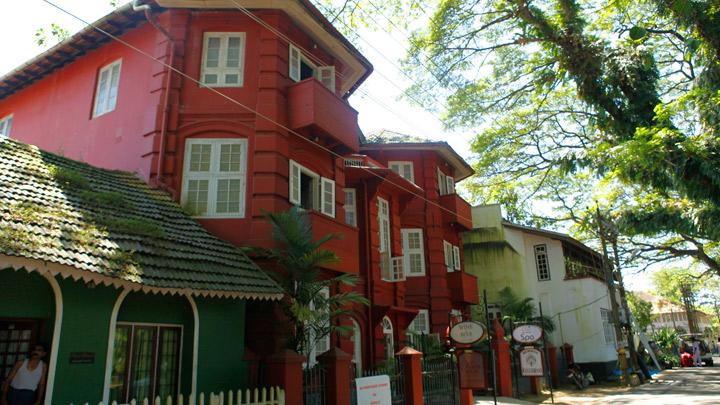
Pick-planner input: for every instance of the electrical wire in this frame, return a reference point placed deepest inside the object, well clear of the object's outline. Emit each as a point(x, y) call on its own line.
point(258, 114)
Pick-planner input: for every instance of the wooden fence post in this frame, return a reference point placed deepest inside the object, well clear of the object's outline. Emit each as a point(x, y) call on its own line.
point(412, 370)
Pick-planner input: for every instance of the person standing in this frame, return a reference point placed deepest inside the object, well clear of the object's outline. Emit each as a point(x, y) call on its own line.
point(25, 384)
point(697, 356)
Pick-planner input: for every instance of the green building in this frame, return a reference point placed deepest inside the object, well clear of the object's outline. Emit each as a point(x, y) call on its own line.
point(131, 297)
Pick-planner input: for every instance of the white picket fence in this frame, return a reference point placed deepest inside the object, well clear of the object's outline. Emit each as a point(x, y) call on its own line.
point(263, 396)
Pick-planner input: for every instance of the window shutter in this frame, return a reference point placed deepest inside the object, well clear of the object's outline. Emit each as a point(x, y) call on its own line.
point(328, 196)
point(294, 183)
point(294, 62)
point(450, 184)
point(448, 256)
point(442, 186)
point(326, 75)
point(456, 257)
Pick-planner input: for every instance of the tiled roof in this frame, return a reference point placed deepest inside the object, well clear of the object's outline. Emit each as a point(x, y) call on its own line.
point(112, 226)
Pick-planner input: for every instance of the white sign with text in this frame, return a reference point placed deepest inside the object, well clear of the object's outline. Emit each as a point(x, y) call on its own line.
point(373, 390)
point(527, 333)
point(467, 332)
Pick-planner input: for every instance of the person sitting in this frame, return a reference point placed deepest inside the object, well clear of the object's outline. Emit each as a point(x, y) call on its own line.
point(686, 359)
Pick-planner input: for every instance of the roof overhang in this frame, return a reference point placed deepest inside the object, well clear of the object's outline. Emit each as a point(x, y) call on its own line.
point(310, 20)
point(56, 269)
point(462, 169)
point(552, 235)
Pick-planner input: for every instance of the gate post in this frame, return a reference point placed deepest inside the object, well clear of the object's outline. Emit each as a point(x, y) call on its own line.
point(503, 367)
point(569, 355)
point(284, 369)
point(412, 373)
point(553, 361)
point(337, 385)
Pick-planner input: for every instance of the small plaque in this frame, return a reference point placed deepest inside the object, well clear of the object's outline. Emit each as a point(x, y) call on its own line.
point(473, 374)
point(82, 357)
point(531, 362)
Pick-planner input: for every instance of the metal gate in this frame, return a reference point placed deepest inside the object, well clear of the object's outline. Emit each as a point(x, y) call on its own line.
point(440, 381)
point(394, 369)
point(314, 386)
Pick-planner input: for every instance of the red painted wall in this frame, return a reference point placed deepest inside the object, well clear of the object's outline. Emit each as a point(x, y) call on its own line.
point(55, 113)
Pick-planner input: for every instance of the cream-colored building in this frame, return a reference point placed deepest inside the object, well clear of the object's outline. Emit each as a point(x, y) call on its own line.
point(673, 316)
point(552, 268)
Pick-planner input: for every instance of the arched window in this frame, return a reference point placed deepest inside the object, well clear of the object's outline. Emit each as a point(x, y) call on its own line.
point(388, 338)
point(357, 348)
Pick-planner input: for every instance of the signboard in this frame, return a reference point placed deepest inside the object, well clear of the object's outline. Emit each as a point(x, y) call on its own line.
point(373, 390)
point(82, 357)
point(467, 332)
point(527, 333)
point(471, 367)
point(531, 362)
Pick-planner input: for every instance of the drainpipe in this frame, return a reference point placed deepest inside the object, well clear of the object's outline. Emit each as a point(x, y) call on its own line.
point(368, 265)
point(166, 98)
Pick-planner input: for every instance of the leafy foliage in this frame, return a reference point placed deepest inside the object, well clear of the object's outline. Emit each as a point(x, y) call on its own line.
point(517, 310)
point(641, 310)
point(312, 315)
point(44, 36)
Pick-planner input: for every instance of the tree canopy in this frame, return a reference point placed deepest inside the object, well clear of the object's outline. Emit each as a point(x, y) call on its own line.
point(575, 102)
point(641, 310)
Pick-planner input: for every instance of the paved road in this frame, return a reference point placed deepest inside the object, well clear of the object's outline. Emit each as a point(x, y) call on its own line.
point(690, 386)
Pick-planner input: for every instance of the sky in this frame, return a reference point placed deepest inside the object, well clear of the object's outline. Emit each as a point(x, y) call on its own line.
point(378, 102)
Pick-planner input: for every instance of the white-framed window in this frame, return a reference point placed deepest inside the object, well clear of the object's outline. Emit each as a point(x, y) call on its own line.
point(413, 252)
point(301, 68)
point(5, 124)
point(388, 339)
point(356, 338)
point(403, 169)
point(214, 177)
point(456, 257)
point(421, 323)
point(494, 312)
point(456, 315)
point(446, 184)
point(106, 93)
point(310, 191)
point(608, 329)
point(541, 262)
point(384, 225)
point(449, 259)
point(322, 344)
point(350, 206)
point(223, 59)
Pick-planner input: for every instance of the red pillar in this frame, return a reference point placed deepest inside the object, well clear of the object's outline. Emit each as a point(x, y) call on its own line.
point(553, 361)
point(503, 367)
point(284, 370)
point(412, 370)
point(337, 366)
point(569, 355)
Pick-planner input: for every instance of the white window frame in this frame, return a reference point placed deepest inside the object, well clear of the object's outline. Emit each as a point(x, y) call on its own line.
point(456, 314)
point(421, 323)
point(450, 184)
point(442, 184)
point(6, 125)
point(214, 174)
point(323, 199)
point(324, 342)
point(103, 94)
point(402, 166)
point(388, 337)
point(542, 275)
point(448, 252)
point(456, 258)
point(350, 206)
point(222, 69)
point(407, 251)
point(324, 74)
point(385, 245)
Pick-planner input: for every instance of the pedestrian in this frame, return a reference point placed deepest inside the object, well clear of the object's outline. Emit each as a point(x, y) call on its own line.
point(718, 346)
point(685, 358)
point(697, 353)
point(25, 385)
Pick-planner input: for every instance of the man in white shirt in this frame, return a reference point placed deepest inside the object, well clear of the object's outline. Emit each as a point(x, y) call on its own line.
point(25, 384)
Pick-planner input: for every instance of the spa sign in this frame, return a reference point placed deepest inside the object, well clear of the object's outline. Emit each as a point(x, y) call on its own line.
point(467, 332)
point(527, 333)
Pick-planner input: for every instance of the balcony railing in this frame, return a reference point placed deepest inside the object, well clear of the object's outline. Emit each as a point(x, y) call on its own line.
point(463, 287)
point(456, 210)
point(313, 107)
point(391, 268)
point(575, 269)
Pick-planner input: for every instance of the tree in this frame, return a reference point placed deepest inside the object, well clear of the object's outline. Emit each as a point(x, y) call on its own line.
point(680, 286)
point(578, 96)
point(312, 314)
point(43, 36)
point(641, 310)
point(516, 310)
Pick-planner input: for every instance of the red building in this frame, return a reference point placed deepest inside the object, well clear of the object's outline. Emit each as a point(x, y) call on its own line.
point(237, 110)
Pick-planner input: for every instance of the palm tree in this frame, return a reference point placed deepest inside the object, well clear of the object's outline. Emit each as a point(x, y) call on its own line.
point(312, 314)
point(517, 310)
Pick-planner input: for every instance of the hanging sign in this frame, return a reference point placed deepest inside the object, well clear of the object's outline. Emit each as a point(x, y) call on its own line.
point(467, 332)
point(373, 390)
point(471, 366)
point(531, 362)
point(527, 333)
